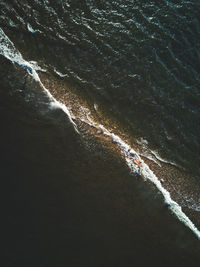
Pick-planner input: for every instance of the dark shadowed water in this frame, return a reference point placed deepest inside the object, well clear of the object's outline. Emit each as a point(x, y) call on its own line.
point(140, 57)
point(67, 200)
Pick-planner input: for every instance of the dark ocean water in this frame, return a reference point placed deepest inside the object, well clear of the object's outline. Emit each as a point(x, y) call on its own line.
point(139, 60)
point(140, 57)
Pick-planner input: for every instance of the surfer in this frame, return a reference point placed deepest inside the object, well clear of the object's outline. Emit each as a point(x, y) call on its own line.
point(139, 163)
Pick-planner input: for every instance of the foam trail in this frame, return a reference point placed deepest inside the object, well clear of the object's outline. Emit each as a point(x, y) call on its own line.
point(30, 29)
point(8, 50)
point(131, 156)
point(162, 160)
point(148, 174)
point(60, 74)
point(53, 100)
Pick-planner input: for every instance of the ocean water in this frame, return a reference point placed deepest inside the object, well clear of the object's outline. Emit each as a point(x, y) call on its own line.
point(137, 63)
point(139, 57)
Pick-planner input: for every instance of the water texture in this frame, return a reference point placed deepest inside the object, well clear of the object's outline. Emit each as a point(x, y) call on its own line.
point(139, 60)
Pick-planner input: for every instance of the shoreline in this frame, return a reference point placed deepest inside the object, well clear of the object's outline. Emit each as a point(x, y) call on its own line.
point(80, 191)
point(79, 109)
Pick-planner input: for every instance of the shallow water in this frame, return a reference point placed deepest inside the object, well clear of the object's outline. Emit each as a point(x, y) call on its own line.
point(140, 58)
point(70, 200)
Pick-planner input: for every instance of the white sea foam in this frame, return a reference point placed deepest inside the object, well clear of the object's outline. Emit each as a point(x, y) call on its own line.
point(60, 74)
point(30, 29)
point(53, 100)
point(8, 50)
point(131, 156)
point(155, 154)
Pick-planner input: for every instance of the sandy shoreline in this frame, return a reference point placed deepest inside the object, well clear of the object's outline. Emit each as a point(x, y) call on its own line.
point(173, 180)
point(70, 199)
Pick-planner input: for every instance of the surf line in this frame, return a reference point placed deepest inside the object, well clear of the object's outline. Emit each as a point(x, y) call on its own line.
point(148, 174)
point(132, 157)
point(8, 50)
point(55, 102)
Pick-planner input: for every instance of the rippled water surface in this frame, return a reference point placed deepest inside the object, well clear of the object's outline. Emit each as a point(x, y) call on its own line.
point(140, 57)
point(139, 60)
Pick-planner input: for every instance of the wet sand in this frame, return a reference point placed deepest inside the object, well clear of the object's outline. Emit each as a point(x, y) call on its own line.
point(179, 183)
point(69, 199)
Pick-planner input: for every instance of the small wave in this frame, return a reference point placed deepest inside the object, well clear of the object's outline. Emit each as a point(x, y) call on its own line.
point(190, 202)
point(155, 154)
point(131, 156)
point(60, 74)
point(8, 50)
point(30, 29)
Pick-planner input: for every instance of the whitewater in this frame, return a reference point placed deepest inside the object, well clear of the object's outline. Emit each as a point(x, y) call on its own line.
point(8, 50)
